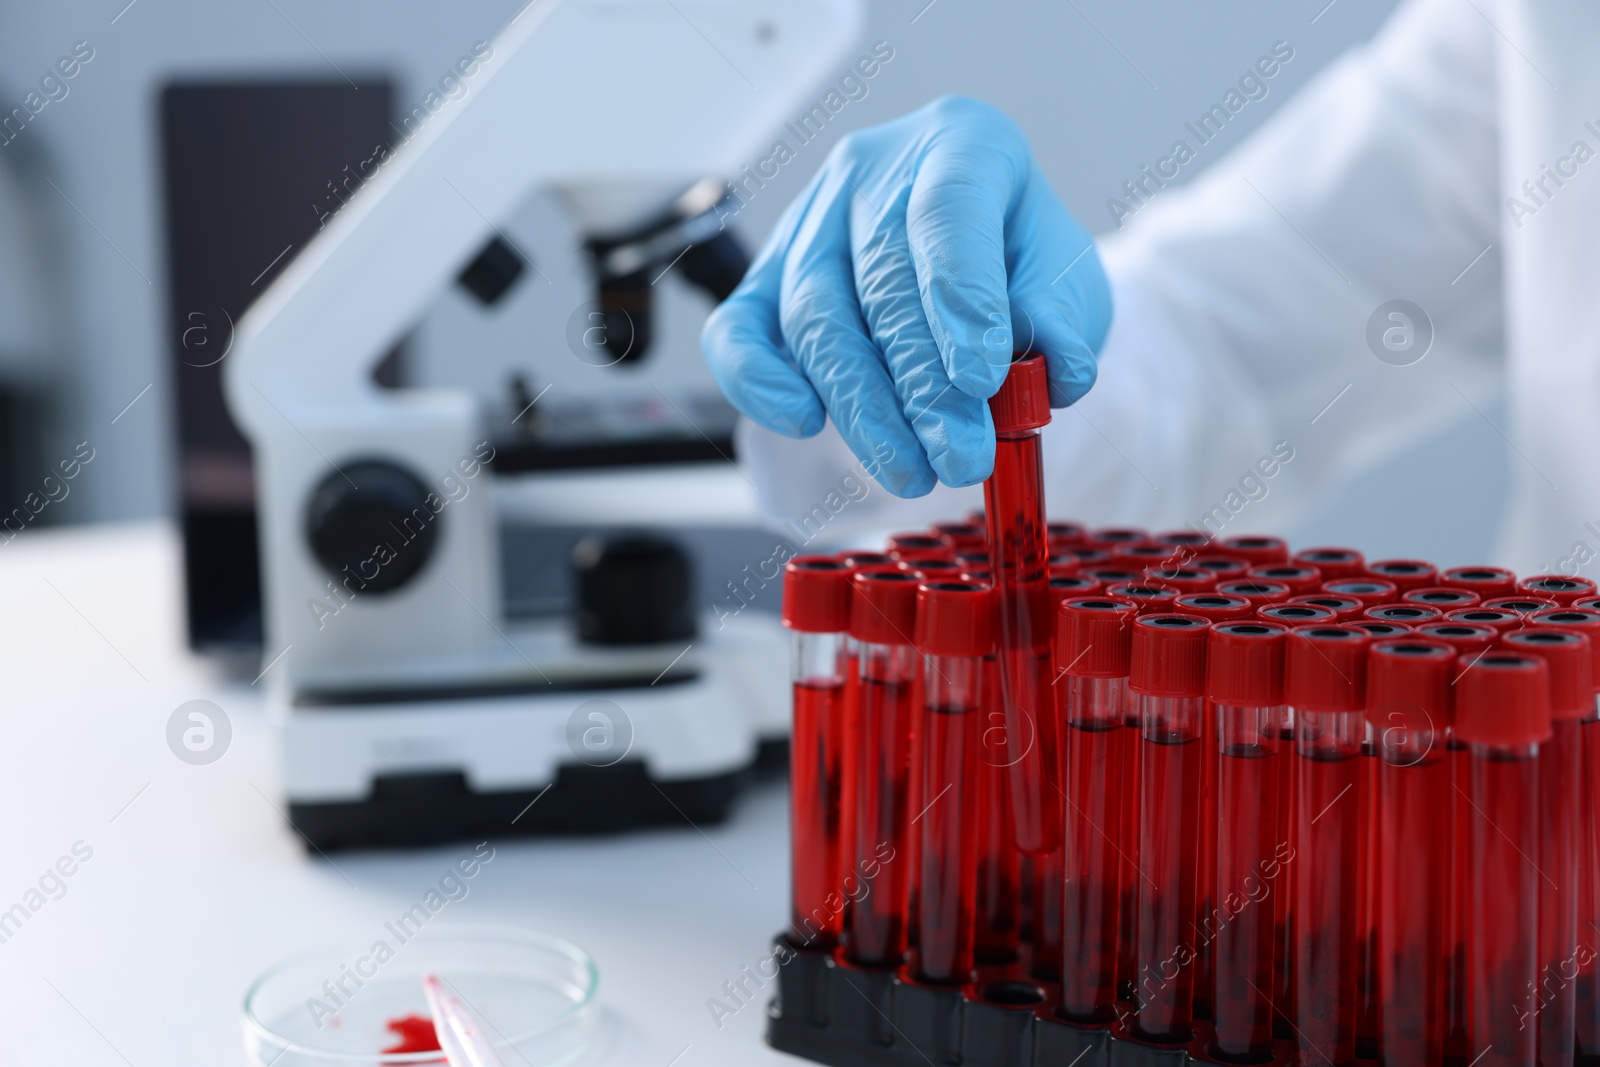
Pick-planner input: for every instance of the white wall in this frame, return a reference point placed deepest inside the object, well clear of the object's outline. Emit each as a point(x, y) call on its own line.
point(1102, 86)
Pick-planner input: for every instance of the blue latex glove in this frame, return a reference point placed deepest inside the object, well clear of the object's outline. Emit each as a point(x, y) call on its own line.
point(895, 288)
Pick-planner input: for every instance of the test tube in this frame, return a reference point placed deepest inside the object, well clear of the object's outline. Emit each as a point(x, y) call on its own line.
point(1093, 651)
point(1300, 580)
point(1566, 654)
point(1587, 1001)
point(1244, 682)
point(1334, 563)
point(1256, 549)
point(997, 921)
point(816, 609)
point(1564, 589)
point(1344, 608)
point(1443, 597)
point(1487, 582)
point(1014, 504)
point(1168, 674)
point(1503, 715)
point(1370, 591)
point(1408, 710)
point(1292, 615)
point(954, 633)
point(1215, 607)
point(1325, 681)
point(883, 616)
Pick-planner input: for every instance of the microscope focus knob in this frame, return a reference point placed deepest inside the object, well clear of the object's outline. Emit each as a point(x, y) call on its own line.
point(633, 589)
point(370, 523)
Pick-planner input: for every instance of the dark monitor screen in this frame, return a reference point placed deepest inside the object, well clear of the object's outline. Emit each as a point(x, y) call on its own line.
point(251, 169)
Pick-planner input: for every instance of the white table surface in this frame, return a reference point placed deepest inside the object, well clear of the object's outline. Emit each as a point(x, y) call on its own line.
point(196, 883)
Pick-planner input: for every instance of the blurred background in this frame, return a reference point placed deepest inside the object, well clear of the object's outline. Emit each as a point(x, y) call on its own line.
point(107, 286)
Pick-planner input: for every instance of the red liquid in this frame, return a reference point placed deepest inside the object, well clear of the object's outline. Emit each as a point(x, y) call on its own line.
point(1018, 554)
point(1560, 768)
point(997, 921)
point(1096, 784)
point(875, 923)
point(816, 893)
point(1455, 935)
point(849, 772)
point(1206, 876)
point(1366, 909)
point(1046, 905)
point(1283, 910)
point(1169, 829)
point(1128, 854)
point(1588, 998)
point(1249, 874)
point(415, 1034)
point(1413, 879)
point(948, 874)
point(1502, 926)
point(1326, 886)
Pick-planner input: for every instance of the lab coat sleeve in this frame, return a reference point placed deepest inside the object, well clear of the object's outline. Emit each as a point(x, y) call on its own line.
point(1240, 339)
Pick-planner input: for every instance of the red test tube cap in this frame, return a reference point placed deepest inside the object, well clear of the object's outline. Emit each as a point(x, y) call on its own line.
point(1521, 603)
point(883, 610)
point(1487, 582)
point(1067, 586)
point(1585, 621)
point(1325, 668)
point(1406, 574)
point(1468, 639)
point(816, 595)
point(1023, 401)
point(1257, 593)
point(1370, 591)
point(1193, 540)
point(963, 535)
point(1150, 596)
point(1244, 664)
point(1257, 549)
point(1379, 630)
point(1215, 606)
point(1226, 568)
point(854, 558)
point(911, 547)
point(1094, 636)
point(1405, 614)
point(954, 619)
point(1408, 684)
point(1334, 563)
point(1300, 580)
point(1345, 607)
point(1503, 698)
point(1567, 654)
point(1486, 616)
point(1297, 614)
point(1168, 657)
point(1065, 533)
point(1562, 588)
point(1443, 597)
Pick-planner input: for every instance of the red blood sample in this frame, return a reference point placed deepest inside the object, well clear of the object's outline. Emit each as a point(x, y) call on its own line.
point(1487, 582)
point(1168, 674)
point(1258, 593)
point(954, 635)
point(1406, 574)
point(816, 608)
point(1244, 682)
point(1408, 710)
point(1568, 658)
point(1325, 684)
point(883, 621)
point(1093, 650)
point(1334, 563)
point(1344, 608)
point(414, 1033)
point(1503, 715)
point(1256, 549)
point(1014, 506)
point(1370, 591)
point(997, 919)
point(1564, 589)
point(1442, 597)
point(1214, 606)
point(1302, 581)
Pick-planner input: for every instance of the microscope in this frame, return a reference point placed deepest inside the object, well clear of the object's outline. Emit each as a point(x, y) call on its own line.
point(409, 707)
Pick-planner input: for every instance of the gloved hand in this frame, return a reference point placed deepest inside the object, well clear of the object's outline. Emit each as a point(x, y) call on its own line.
point(895, 288)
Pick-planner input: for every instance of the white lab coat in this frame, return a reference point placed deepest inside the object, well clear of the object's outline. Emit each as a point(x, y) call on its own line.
point(1242, 300)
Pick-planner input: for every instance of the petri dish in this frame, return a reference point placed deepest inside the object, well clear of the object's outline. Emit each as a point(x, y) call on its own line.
point(352, 1004)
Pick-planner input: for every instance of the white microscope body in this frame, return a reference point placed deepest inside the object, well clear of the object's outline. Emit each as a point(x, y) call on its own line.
point(580, 97)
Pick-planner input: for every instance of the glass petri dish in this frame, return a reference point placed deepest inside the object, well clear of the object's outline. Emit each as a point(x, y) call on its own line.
point(345, 1004)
